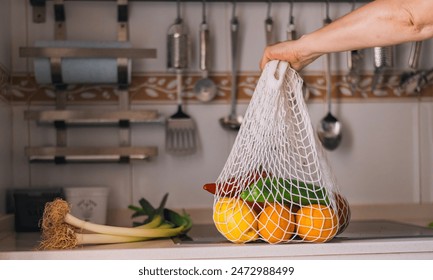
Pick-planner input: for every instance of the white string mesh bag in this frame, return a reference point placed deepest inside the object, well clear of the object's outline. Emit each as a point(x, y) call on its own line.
point(276, 185)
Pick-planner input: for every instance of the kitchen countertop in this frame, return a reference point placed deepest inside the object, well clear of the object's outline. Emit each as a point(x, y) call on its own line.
point(22, 246)
point(18, 246)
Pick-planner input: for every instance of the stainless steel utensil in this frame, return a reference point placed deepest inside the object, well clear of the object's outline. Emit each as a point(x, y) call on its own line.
point(329, 129)
point(412, 82)
point(290, 29)
point(205, 89)
point(233, 121)
point(269, 26)
point(383, 57)
point(177, 44)
point(180, 128)
point(415, 54)
point(354, 59)
point(383, 60)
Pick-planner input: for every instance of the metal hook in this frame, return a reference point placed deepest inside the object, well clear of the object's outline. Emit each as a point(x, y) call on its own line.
point(353, 5)
point(269, 8)
point(290, 29)
point(234, 9)
point(291, 19)
point(204, 11)
point(327, 9)
point(178, 19)
point(327, 19)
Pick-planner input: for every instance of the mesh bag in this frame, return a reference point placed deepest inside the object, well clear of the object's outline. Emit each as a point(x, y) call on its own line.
point(276, 185)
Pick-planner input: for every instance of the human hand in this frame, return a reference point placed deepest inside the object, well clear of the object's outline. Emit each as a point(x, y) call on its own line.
point(290, 51)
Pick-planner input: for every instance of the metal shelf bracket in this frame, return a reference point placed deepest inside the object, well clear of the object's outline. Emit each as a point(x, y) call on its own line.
point(62, 118)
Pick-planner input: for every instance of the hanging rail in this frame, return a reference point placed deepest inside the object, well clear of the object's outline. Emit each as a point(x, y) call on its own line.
point(39, 6)
point(41, 2)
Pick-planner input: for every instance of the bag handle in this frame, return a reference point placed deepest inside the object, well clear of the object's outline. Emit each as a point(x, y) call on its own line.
point(276, 71)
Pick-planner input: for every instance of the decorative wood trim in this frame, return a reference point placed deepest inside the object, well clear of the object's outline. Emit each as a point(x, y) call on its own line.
point(161, 88)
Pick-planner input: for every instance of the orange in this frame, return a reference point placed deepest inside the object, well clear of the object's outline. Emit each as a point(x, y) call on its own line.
point(276, 223)
point(235, 220)
point(344, 213)
point(316, 223)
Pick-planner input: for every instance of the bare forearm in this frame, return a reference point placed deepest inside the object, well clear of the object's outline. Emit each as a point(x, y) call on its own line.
point(379, 23)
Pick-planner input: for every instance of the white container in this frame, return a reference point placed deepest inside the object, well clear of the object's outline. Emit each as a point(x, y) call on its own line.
point(88, 203)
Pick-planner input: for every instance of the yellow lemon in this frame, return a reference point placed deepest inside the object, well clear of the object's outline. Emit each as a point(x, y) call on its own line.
point(316, 223)
point(235, 220)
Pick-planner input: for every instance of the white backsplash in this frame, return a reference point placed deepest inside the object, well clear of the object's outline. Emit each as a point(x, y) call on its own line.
point(379, 160)
point(426, 152)
point(5, 153)
point(386, 155)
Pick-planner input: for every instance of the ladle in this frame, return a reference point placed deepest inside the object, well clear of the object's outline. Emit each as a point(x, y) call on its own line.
point(205, 89)
point(329, 130)
point(233, 121)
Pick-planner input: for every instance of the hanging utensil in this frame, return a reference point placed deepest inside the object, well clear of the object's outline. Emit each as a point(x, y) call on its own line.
point(269, 26)
point(177, 44)
point(383, 60)
point(329, 129)
point(354, 63)
point(291, 35)
point(205, 89)
point(290, 29)
point(415, 54)
point(180, 129)
point(233, 121)
point(412, 82)
point(354, 59)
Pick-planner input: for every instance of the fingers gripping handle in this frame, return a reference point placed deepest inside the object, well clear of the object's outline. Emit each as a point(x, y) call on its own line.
point(276, 71)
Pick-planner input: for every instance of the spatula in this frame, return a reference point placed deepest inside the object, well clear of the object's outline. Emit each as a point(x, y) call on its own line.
point(180, 127)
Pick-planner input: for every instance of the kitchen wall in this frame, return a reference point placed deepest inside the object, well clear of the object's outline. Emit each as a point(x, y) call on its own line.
point(5, 33)
point(5, 152)
point(5, 109)
point(385, 157)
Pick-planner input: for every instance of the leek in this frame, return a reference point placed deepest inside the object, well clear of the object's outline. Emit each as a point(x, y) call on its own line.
point(62, 230)
point(124, 231)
